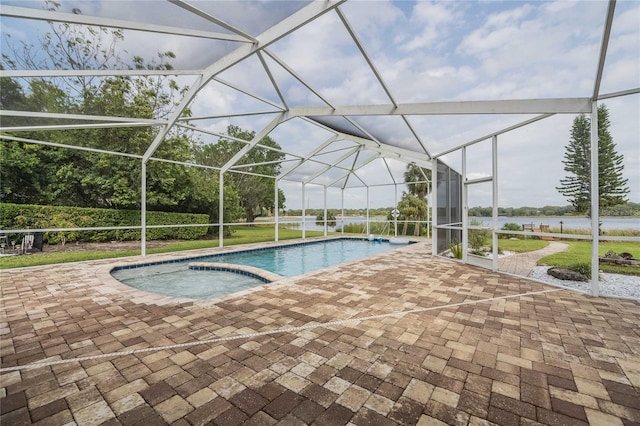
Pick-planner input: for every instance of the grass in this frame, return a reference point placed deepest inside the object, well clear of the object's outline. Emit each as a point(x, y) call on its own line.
point(580, 252)
point(587, 231)
point(241, 235)
point(521, 246)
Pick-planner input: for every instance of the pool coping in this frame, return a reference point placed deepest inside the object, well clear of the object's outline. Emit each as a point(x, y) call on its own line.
point(265, 276)
point(111, 284)
point(268, 245)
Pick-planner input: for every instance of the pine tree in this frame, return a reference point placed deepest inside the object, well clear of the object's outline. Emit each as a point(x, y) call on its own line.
point(577, 162)
point(613, 187)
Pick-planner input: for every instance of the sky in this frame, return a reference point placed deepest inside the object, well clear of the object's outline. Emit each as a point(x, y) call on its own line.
point(425, 51)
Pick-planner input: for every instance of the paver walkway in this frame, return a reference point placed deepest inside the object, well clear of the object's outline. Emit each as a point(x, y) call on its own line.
point(522, 263)
point(399, 338)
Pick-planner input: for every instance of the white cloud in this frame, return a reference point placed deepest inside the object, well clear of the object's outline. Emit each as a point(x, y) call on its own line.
point(431, 19)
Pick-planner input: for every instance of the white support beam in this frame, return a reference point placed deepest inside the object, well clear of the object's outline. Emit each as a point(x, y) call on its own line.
point(266, 68)
point(257, 138)
point(252, 95)
point(618, 94)
point(465, 208)
point(276, 210)
point(143, 209)
point(81, 117)
point(364, 54)
point(363, 130)
point(60, 145)
point(395, 207)
point(428, 211)
point(398, 153)
point(342, 210)
point(507, 106)
point(350, 173)
point(364, 163)
point(227, 115)
point(296, 76)
point(338, 161)
point(494, 204)
point(415, 135)
point(368, 228)
point(94, 73)
point(344, 176)
point(393, 179)
point(285, 27)
point(325, 211)
point(354, 169)
point(73, 126)
point(264, 163)
point(434, 207)
point(309, 155)
point(52, 16)
point(606, 33)
point(595, 203)
point(304, 212)
point(221, 210)
point(213, 19)
point(223, 136)
point(498, 133)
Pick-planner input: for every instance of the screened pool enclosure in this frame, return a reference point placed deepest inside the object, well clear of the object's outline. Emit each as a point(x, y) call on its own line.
point(481, 94)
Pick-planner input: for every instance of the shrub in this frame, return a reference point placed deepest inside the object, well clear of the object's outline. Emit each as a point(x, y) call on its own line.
point(331, 219)
point(510, 227)
point(21, 216)
point(456, 250)
point(477, 237)
point(583, 268)
point(361, 228)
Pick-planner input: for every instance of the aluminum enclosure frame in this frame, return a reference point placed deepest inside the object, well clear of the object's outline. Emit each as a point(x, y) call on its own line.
point(366, 147)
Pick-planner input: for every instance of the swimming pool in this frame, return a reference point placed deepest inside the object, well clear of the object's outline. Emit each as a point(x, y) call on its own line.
point(174, 278)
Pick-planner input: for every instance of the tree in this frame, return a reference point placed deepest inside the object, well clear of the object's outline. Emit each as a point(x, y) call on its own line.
point(11, 95)
point(418, 181)
point(203, 197)
point(43, 174)
point(577, 162)
point(257, 193)
point(411, 207)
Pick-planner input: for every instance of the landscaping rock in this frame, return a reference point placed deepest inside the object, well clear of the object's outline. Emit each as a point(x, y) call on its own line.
point(566, 274)
point(625, 259)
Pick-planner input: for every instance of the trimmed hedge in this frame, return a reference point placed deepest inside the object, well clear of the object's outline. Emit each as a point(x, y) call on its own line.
point(20, 216)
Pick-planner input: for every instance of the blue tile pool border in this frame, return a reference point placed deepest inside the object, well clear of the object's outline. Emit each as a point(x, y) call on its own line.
point(213, 256)
point(229, 269)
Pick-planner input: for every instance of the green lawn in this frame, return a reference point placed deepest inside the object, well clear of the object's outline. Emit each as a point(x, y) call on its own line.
point(580, 252)
point(241, 235)
point(521, 246)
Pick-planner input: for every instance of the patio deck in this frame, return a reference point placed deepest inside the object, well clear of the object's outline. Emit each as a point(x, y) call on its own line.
point(399, 338)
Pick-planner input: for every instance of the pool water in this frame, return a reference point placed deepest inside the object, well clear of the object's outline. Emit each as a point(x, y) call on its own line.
point(176, 279)
point(179, 281)
point(290, 261)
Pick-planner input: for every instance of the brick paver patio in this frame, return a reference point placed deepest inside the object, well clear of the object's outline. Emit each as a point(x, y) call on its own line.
point(399, 338)
point(522, 263)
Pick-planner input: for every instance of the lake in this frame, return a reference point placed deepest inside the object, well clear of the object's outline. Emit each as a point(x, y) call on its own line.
point(568, 222)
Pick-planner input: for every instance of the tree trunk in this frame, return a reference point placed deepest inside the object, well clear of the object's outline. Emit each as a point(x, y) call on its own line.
point(250, 215)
